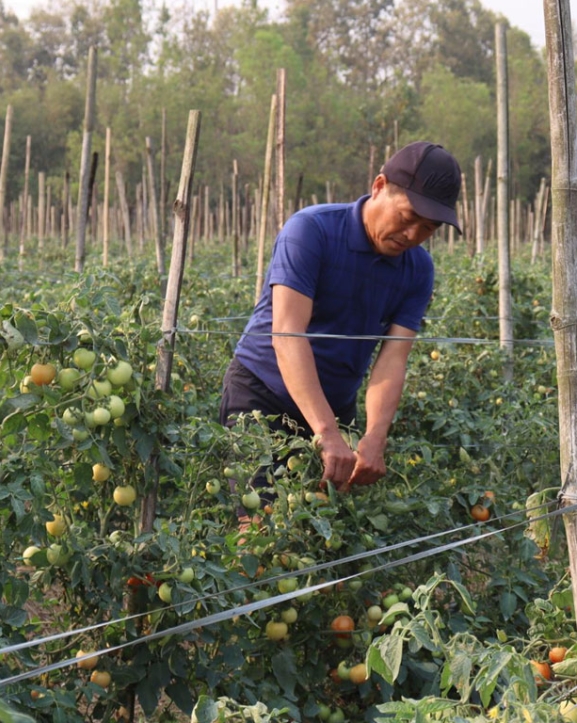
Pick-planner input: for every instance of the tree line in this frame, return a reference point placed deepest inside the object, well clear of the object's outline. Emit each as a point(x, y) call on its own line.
point(362, 78)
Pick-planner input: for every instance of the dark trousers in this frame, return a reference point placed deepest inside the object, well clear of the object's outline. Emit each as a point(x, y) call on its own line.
point(245, 392)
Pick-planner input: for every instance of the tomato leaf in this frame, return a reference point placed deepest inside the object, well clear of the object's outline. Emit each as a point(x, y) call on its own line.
point(386, 656)
point(508, 604)
point(205, 711)
point(285, 671)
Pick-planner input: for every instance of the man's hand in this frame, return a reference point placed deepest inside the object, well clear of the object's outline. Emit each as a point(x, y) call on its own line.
point(338, 459)
point(370, 463)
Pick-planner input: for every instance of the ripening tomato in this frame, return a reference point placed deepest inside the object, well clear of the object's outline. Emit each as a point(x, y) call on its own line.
point(101, 678)
point(42, 374)
point(542, 671)
point(56, 526)
point(89, 663)
point(124, 495)
point(480, 513)
point(557, 654)
point(343, 626)
point(100, 472)
point(358, 674)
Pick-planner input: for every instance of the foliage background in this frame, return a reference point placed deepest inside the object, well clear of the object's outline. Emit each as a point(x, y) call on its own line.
point(358, 72)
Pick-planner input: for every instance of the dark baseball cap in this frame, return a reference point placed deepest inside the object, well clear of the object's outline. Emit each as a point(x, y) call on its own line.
point(431, 177)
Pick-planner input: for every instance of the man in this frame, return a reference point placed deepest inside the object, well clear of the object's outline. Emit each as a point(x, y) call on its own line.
point(341, 277)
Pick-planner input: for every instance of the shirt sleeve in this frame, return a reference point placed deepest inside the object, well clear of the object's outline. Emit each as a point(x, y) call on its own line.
point(410, 313)
point(297, 256)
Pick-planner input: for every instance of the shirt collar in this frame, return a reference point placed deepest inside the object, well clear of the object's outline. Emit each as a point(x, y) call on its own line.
point(359, 241)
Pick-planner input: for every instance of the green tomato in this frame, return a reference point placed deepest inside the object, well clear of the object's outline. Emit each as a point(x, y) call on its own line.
point(101, 416)
point(120, 374)
point(29, 553)
point(287, 584)
point(57, 555)
point(337, 716)
point(213, 486)
point(115, 406)
point(165, 593)
point(84, 358)
point(187, 575)
point(89, 420)
point(390, 600)
point(99, 388)
point(324, 712)
point(73, 417)
point(276, 631)
point(375, 613)
point(251, 500)
point(116, 537)
point(343, 671)
point(405, 594)
point(80, 435)
point(68, 378)
point(289, 616)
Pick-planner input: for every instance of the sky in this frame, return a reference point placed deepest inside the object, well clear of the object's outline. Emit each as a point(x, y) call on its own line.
point(524, 14)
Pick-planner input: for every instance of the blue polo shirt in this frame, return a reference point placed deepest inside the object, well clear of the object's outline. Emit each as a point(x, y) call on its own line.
point(324, 253)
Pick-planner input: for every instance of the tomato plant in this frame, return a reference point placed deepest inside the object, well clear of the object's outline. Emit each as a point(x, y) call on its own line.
point(101, 425)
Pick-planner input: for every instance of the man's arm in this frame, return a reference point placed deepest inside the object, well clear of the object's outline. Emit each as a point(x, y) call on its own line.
point(291, 313)
point(384, 391)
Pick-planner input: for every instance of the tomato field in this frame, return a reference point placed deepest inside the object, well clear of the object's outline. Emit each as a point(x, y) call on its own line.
point(439, 594)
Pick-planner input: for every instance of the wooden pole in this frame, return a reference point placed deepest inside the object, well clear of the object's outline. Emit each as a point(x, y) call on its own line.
point(163, 189)
point(83, 190)
point(265, 200)
point(41, 209)
point(235, 235)
point(466, 221)
point(3, 181)
point(280, 146)
point(486, 197)
point(106, 200)
point(563, 122)
point(480, 221)
point(22, 248)
point(165, 349)
point(124, 212)
point(160, 262)
point(505, 300)
point(65, 224)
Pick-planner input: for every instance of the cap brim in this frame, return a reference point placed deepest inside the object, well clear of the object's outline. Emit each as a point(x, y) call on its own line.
point(433, 210)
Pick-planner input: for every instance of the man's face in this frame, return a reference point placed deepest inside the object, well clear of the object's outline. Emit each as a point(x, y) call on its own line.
point(391, 223)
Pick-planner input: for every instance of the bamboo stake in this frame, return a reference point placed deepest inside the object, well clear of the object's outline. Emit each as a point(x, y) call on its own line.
point(235, 236)
point(280, 146)
point(163, 189)
point(160, 261)
point(65, 225)
point(563, 121)
point(466, 221)
point(22, 248)
point(124, 212)
point(106, 200)
point(41, 209)
point(486, 196)
point(3, 181)
point(165, 349)
point(83, 191)
point(505, 302)
point(480, 221)
point(265, 199)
